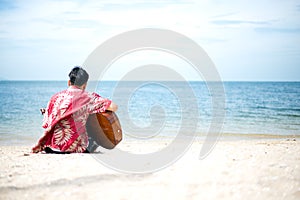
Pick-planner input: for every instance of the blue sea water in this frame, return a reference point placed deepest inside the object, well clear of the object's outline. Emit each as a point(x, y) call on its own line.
point(267, 108)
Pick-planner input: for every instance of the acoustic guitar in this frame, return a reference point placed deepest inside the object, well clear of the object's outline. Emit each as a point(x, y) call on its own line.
point(105, 129)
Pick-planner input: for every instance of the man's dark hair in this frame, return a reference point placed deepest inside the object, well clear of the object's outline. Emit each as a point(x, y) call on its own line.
point(78, 76)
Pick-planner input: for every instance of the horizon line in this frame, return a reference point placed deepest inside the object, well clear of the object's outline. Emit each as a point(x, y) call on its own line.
point(38, 80)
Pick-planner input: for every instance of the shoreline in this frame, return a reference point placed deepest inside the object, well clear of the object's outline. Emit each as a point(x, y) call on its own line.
point(248, 169)
point(199, 136)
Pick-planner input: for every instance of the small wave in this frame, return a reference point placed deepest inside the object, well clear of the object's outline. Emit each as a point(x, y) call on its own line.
point(289, 115)
point(277, 108)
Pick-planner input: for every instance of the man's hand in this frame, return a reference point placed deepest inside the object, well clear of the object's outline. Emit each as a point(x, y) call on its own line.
point(43, 110)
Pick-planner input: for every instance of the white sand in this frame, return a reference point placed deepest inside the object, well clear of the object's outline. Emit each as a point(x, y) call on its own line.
point(245, 169)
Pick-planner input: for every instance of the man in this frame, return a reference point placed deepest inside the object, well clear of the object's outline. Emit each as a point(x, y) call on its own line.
point(66, 115)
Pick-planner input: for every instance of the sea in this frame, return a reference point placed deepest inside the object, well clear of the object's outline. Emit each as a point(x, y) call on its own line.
point(162, 109)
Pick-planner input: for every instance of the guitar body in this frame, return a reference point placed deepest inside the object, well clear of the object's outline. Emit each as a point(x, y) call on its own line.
point(105, 129)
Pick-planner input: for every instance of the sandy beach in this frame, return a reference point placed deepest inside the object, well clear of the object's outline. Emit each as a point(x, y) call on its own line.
point(235, 169)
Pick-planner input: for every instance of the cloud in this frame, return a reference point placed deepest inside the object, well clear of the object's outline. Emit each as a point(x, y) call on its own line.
point(224, 15)
point(268, 30)
point(70, 22)
point(238, 22)
point(129, 5)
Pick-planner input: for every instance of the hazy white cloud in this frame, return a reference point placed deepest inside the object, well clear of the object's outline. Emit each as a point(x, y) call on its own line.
point(239, 35)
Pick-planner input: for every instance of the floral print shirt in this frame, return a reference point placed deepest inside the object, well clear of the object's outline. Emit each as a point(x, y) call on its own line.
point(65, 119)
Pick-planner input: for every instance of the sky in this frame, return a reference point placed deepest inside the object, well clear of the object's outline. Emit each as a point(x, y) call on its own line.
point(255, 40)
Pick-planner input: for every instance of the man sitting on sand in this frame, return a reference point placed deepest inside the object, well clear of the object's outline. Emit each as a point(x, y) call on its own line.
point(66, 115)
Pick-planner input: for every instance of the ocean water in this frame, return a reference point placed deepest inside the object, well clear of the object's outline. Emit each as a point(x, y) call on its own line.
point(251, 108)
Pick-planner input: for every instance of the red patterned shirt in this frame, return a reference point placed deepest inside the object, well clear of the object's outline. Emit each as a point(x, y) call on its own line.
point(65, 119)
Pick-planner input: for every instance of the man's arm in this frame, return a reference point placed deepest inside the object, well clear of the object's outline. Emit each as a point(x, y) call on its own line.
point(112, 107)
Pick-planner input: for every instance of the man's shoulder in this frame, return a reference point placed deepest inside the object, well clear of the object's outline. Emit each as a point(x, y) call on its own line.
point(67, 93)
point(59, 94)
point(93, 95)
